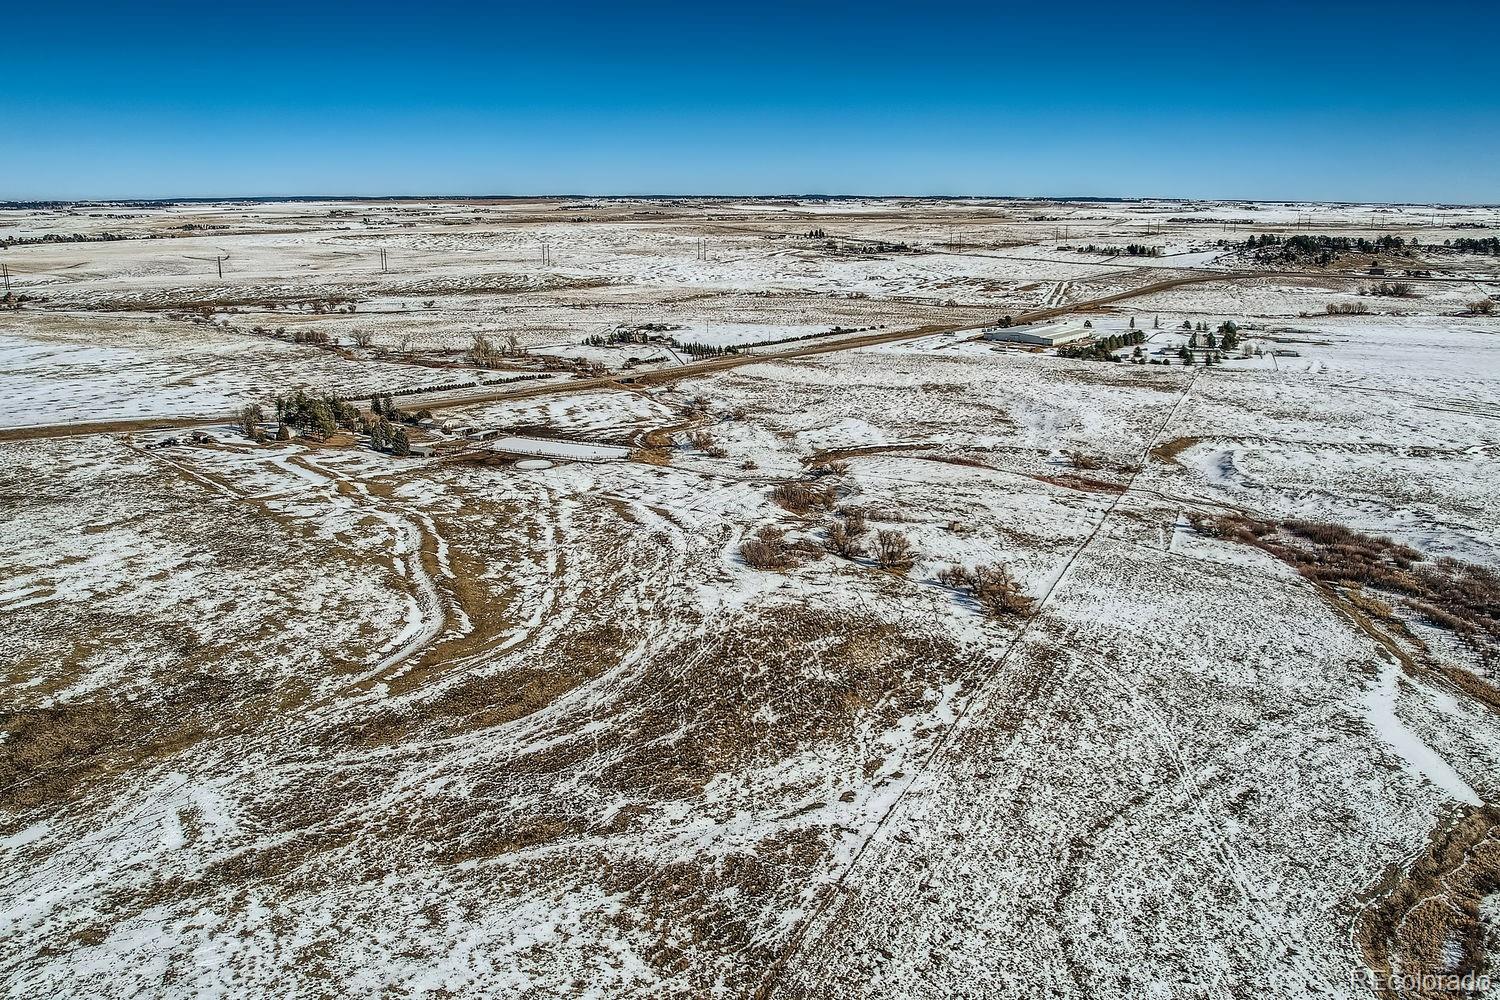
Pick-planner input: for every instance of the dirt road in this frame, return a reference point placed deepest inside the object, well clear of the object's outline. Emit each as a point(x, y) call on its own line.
point(698, 368)
point(664, 376)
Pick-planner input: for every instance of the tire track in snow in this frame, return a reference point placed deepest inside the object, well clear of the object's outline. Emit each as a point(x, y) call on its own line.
point(772, 979)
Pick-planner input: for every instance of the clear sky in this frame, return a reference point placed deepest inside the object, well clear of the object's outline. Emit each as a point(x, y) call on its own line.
point(1372, 101)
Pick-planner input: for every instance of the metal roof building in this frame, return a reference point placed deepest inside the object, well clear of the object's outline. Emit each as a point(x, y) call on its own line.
point(1038, 334)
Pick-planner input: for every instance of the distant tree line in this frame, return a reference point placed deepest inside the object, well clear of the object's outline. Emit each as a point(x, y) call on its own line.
point(1128, 250)
point(31, 241)
point(1305, 248)
point(1488, 245)
point(648, 335)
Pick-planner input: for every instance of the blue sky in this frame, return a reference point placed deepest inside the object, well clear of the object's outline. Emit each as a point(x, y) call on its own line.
point(1366, 101)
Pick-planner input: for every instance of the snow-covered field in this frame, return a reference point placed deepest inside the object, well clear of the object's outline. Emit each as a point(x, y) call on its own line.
point(301, 718)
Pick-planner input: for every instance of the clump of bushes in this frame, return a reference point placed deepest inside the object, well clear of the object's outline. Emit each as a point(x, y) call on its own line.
point(1347, 308)
point(1394, 289)
point(768, 549)
point(844, 543)
point(801, 498)
point(992, 586)
point(704, 442)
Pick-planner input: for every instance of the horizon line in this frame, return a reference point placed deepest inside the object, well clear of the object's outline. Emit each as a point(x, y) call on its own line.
point(660, 196)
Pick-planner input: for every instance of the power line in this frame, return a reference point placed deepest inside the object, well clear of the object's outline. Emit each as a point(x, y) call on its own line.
point(218, 261)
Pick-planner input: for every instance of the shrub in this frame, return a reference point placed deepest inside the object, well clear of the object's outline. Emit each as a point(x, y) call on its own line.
point(998, 592)
point(842, 543)
point(768, 549)
point(893, 550)
point(363, 338)
point(799, 498)
point(854, 521)
point(1482, 307)
point(1347, 308)
point(956, 577)
point(1395, 289)
point(831, 469)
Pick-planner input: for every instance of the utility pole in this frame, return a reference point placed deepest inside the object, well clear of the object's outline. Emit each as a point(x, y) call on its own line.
point(5, 273)
point(218, 262)
point(384, 264)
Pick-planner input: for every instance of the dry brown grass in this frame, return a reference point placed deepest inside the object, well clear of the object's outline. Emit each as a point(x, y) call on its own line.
point(1168, 451)
point(1422, 916)
point(1388, 582)
point(49, 753)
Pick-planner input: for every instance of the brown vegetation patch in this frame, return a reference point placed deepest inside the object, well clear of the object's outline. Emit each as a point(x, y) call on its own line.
point(816, 674)
point(1168, 451)
point(1086, 484)
point(843, 454)
point(50, 753)
point(1424, 929)
point(713, 919)
point(804, 498)
point(1371, 577)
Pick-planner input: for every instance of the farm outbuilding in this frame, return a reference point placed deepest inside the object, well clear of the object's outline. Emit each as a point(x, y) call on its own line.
point(1038, 334)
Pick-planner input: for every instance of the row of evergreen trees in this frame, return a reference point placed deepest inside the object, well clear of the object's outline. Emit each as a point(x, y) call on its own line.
point(1488, 245)
point(693, 348)
point(1128, 250)
point(704, 350)
point(1103, 350)
point(1304, 247)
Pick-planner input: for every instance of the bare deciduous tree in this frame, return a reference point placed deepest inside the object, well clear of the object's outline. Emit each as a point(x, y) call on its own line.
point(482, 353)
point(893, 550)
point(842, 543)
point(998, 592)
